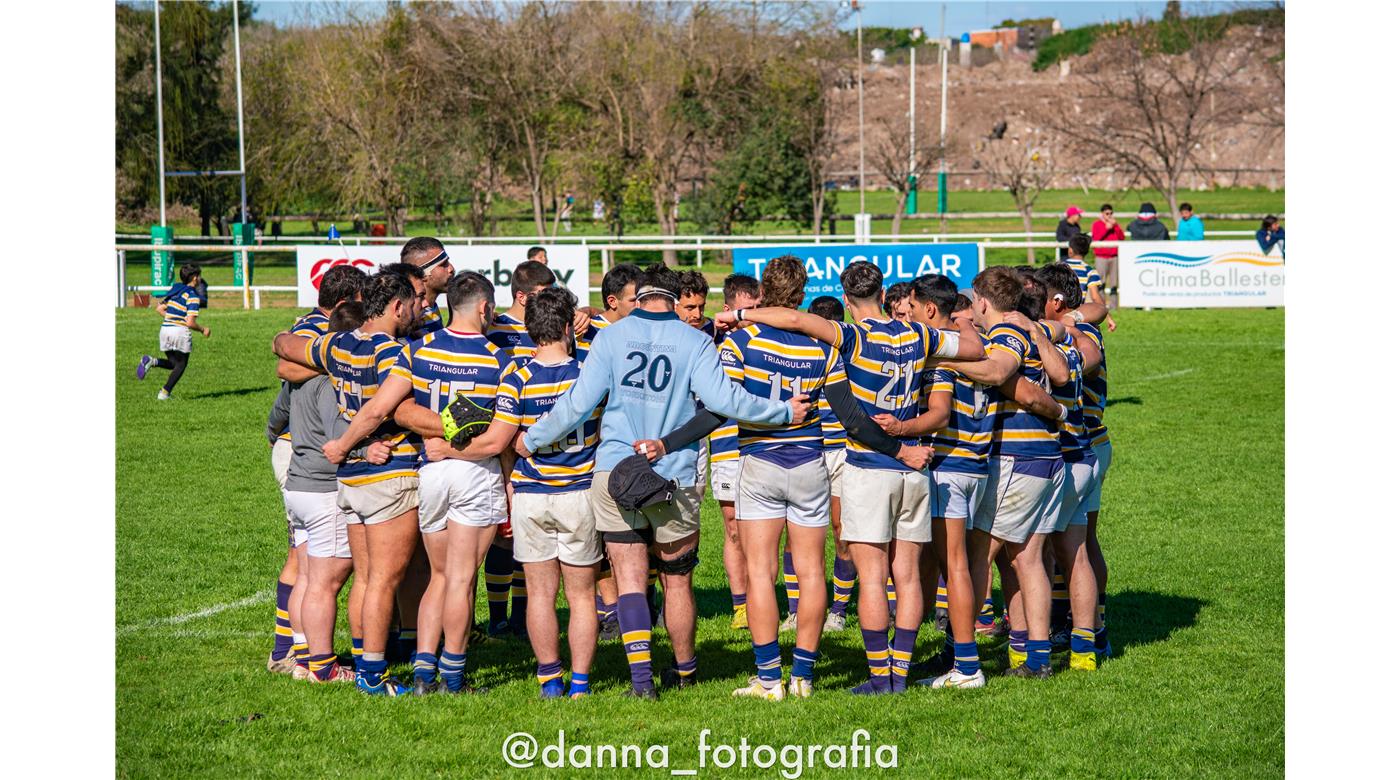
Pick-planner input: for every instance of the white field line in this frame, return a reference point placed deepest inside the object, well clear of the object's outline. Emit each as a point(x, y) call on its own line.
point(1168, 375)
point(175, 620)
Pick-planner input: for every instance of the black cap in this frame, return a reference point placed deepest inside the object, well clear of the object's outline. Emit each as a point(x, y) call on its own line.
point(1147, 208)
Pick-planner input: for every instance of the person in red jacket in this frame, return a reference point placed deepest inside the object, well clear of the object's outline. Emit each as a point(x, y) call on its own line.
point(1106, 228)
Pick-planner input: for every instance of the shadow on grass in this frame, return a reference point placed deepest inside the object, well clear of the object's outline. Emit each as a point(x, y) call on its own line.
point(1130, 400)
point(239, 391)
point(1136, 618)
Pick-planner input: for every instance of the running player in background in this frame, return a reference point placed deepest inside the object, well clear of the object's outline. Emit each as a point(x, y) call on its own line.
point(554, 533)
point(384, 496)
point(179, 316)
point(741, 291)
point(843, 570)
point(462, 500)
point(340, 284)
point(429, 256)
point(884, 360)
point(506, 594)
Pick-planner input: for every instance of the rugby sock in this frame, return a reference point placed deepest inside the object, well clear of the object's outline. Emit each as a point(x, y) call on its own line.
point(965, 659)
point(551, 677)
point(498, 569)
point(1101, 645)
point(300, 650)
point(1059, 600)
point(1016, 648)
point(803, 662)
point(424, 667)
point(940, 600)
point(686, 669)
point(372, 667)
point(321, 665)
point(901, 651)
point(517, 595)
point(877, 657)
point(634, 619)
point(1081, 649)
point(357, 647)
point(890, 595)
point(769, 663)
point(790, 583)
point(452, 667)
point(988, 615)
point(578, 685)
point(1103, 609)
point(1037, 654)
point(739, 600)
point(601, 607)
point(282, 632)
point(843, 581)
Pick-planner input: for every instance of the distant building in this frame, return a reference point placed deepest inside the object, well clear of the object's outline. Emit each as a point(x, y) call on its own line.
point(1026, 36)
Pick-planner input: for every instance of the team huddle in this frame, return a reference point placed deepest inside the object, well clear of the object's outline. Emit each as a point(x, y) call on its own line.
point(934, 436)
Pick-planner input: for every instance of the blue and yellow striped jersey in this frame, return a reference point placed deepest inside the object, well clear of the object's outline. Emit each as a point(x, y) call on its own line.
point(724, 440)
point(1074, 436)
point(358, 363)
point(582, 343)
point(509, 334)
point(446, 363)
point(528, 393)
point(1088, 277)
point(776, 364)
point(182, 301)
point(1095, 391)
point(430, 321)
point(312, 324)
point(962, 446)
point(885, 363)
point(833, 433)
point(1015, 431)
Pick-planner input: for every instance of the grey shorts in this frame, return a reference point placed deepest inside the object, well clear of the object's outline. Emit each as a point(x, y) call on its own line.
point(1022, 497)
point(955, 494)
point(325, 523)
point(1103, 453)
point(377, 502)
point(281, 461)
point(1079, 482)
point(670, 522)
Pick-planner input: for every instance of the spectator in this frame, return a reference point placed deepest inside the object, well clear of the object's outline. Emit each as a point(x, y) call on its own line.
point(1190, 227)
point(1270, 232)
point(1068, 228)
point(1106, 228)
point(1146, 227)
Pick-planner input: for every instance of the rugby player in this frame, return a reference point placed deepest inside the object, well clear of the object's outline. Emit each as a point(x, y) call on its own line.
point(537, 254)
point(843, 570)
point(384, 496)
point(884, 361)
point(783, 481)
point(462, 500)
point(651, 367)
point(179, 316)
point(429, 256)
point(552, 521)
point(1071, 525)
point(340, 284)
point(897, 301)
point(1025, 471)
point(1090, 283)
point(505, 576)
point(740, 291)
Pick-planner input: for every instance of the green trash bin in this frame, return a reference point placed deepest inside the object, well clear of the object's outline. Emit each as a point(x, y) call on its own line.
point(162, 268)
point(243, 235)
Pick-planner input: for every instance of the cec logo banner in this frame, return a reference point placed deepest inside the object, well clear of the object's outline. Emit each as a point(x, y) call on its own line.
point(495, 262)
point(1194, 274)
point(899, 262)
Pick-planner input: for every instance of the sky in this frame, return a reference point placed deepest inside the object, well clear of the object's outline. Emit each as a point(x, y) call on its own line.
point(962, 16)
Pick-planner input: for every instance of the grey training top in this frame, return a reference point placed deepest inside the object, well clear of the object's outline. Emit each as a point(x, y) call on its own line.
point(314, 418)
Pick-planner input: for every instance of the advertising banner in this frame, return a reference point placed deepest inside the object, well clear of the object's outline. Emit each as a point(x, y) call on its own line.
point(1197, 274)
point(495, 262)
point(899, 262)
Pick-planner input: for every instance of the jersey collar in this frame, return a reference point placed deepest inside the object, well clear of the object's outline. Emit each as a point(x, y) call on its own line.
point(654, 315)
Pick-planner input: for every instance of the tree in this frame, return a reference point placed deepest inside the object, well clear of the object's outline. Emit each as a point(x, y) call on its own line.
point(1162, 93)
point(892, 160)
point(1023, 166)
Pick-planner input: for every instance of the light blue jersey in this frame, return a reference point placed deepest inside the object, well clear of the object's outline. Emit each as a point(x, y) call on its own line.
point(651, 367)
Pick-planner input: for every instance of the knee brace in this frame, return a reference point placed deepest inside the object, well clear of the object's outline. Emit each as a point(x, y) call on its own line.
point(685, 563)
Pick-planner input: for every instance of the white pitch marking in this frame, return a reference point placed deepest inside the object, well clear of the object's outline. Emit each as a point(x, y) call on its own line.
point(1168, 375)
point(176, 620)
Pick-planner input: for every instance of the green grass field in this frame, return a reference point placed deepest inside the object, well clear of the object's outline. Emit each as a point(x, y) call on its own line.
point(1192, 528)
